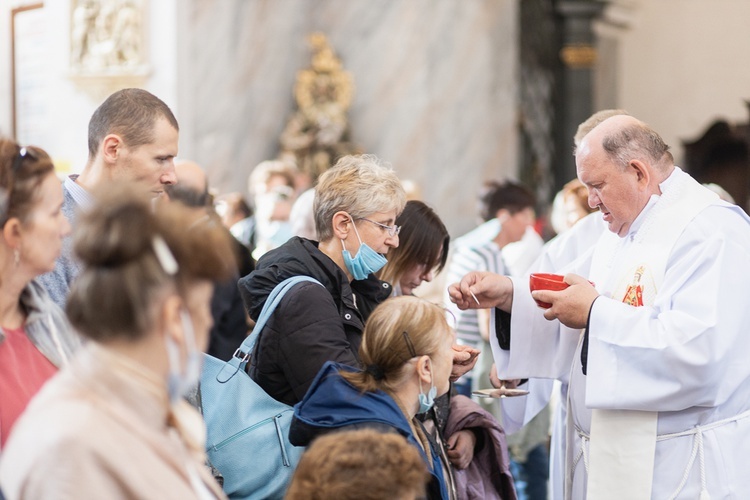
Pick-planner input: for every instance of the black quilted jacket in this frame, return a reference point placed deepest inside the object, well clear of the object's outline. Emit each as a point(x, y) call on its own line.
point(312, 324)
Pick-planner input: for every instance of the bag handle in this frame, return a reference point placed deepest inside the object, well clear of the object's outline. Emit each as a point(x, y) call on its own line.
point(241, 356)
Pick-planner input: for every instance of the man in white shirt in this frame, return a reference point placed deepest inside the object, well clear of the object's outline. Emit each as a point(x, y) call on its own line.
point(657, 352)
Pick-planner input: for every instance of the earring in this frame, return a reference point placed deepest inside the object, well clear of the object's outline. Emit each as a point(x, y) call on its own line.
point(16, 257)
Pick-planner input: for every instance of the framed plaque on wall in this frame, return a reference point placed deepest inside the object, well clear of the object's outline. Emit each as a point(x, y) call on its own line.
point(30, 73)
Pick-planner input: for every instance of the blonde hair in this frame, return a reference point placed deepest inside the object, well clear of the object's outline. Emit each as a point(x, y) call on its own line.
point(577, 191)
point(397, 330)
point(359, 185)
point(561, 217)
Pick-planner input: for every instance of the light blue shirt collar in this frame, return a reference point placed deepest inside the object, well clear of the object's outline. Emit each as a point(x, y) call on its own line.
point(82, 197)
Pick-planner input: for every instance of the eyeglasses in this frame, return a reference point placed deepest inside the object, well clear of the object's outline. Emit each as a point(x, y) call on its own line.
point(392, 230)
point(23, 153)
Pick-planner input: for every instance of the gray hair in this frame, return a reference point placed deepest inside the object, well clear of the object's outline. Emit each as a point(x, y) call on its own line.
point(591, 122)
point(636, 141)
point(359, 185)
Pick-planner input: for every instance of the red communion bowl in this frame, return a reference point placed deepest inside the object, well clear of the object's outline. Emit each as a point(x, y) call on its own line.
point(544, 281)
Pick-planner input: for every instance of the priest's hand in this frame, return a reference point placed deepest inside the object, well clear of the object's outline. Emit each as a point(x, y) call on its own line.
point(572, 305)
point(502, 384)
point(482, 290)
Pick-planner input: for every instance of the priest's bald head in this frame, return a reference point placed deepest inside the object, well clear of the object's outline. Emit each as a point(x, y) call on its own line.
point(621, 162)
point(592, 121)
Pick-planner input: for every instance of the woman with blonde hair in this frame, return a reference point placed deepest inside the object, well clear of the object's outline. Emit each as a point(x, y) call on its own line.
point(407, 354)
point(35, 337)
point(113, 423)
point(569, 206)
point(422, 253)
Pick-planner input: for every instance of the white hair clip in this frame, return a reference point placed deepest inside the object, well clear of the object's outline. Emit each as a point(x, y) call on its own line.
point(164, 255)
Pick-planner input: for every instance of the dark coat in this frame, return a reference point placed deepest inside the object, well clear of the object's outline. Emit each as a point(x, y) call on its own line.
point(488, 475)
point(333, 404)
point(230, 326)
point(312, 324)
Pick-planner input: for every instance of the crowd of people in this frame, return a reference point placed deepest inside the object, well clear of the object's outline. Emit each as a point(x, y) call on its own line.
point(116, 281)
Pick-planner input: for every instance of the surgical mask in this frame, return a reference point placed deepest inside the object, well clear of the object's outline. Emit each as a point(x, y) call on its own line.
point(366, 261)
point(182, 381)
point(426, 401)
point(270, 235)
point(275, 233)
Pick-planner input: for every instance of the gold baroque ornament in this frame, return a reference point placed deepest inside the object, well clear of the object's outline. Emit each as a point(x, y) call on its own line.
point(326, 81)
point(578, 56)
point(318, 132)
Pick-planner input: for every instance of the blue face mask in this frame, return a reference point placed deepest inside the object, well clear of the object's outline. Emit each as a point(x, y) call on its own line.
point(365, 262)
point(426, 401)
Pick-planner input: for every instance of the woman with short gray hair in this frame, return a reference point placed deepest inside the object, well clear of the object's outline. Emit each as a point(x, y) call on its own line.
point(356, 205)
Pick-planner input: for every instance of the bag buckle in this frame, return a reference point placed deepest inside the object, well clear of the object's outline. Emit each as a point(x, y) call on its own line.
point(244, 357)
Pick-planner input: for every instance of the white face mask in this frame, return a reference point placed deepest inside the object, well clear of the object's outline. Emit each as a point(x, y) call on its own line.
point(182, 380)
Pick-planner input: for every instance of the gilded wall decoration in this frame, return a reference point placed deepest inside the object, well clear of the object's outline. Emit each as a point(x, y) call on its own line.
point(318, 131)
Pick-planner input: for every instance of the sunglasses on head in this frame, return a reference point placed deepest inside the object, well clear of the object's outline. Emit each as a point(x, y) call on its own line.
point(23, 153)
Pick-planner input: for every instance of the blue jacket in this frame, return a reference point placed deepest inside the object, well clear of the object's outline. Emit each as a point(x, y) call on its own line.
point(332, 404)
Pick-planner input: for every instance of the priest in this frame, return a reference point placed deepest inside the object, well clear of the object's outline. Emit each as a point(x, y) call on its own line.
point(656, 351)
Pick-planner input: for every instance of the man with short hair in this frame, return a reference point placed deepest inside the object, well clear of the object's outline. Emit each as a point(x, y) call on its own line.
point(656, 353)
point(133, 137)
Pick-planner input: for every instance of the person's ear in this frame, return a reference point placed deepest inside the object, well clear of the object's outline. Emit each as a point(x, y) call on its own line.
point(170, 317)
point(424, 369)
point(342, 223)
point(111, 148)
point(12, 231)
point(502, 215)
point(641, 171)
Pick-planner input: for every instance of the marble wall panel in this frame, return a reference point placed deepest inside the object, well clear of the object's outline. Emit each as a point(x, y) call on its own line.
point(435, 87)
